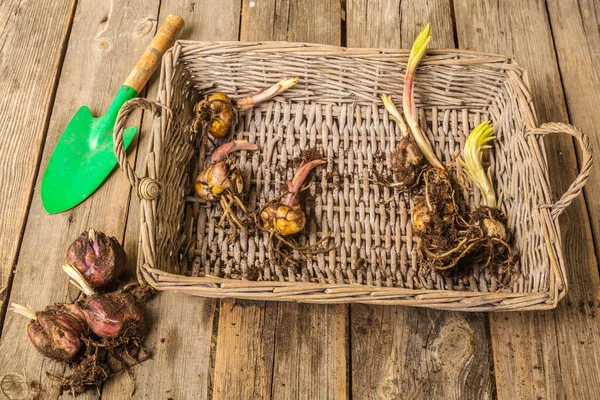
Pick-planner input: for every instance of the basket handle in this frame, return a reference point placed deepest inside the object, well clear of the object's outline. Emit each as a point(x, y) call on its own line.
point(586, 164)
point(147, 188)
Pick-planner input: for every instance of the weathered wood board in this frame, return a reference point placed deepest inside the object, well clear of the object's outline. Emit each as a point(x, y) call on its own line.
point(29, 75)
point(310, 361)
point(181, 325)
point(400, 352)
point(541, 355)
point(104, 45)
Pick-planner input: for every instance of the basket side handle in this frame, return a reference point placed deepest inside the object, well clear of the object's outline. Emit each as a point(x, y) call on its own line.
point(586, 163)
point(146, 188)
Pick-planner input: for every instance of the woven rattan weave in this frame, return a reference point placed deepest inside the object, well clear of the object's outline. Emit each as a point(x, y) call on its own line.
point(336, 108)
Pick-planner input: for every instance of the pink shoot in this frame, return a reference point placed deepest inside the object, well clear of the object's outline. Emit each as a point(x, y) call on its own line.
point(296, 183)
point(264, 95)
point(408, 99)
point(235, 145)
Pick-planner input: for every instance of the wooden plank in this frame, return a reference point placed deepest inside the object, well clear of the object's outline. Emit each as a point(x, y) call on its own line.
point(308, 360)
point(244, 360)
point(541, 355)
point(181, 330)
point(574, 26)
point(30, 61)
point(295, 21)
point(399, 352)
point(310, 352)
point(265, 20)
point(577, 43)
point(105, 43)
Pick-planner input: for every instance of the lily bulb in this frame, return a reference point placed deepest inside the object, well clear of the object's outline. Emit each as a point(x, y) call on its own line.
point(55, 332)
point(217, 110)
point(218, 177)
point(287, 218)
point(109, 315)
point(407, 158)
point(99, 258)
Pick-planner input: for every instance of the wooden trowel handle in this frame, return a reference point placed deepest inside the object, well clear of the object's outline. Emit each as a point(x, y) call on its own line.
point(147, 64)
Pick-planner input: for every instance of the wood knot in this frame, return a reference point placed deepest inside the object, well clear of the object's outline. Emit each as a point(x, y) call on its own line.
point(454, 344)
point(143, 28)
point(14, 386)
point(104, 45)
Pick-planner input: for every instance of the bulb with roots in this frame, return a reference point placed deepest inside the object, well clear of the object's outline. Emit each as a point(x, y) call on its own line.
point(222, 176)
point(101, 259)
point(434, 208)
point(57, 331)
point(408, 160)
point(115, 315)
point(222, 181)
point(481, 236)
point(286, 217)
point(111, 315)
point(217, 112)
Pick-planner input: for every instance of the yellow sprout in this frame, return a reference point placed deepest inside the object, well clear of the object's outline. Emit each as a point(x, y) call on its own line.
point(471, 161)
point(419, 47)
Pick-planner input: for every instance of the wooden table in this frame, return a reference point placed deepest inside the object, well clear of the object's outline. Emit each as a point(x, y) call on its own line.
point(57, 55)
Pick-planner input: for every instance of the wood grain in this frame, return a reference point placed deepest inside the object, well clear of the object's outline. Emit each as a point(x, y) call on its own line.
point(265, 20)
point(310, 352)
point(29, 65)
point(181, 326)
point(245, 347)
point(399, 352)
point(542, 355)
point(418, 354)
point(396, 23)
point(291, 20)
point(577, 43)
point(306, 360)
point(105, 44)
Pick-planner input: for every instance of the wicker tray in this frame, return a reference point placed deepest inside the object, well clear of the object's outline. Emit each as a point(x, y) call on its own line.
point(336, 107)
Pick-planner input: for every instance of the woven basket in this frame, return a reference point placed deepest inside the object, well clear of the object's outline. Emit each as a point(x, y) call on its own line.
point(336, 108)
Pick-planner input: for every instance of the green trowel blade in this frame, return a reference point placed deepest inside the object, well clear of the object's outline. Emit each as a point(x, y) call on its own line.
point(83, 156)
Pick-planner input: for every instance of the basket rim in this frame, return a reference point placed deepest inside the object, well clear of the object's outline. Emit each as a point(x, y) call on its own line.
point(548, 299)
point(266, 46)
point(338, 293)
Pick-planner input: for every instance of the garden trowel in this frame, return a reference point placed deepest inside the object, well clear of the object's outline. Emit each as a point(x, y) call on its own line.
point(83, 156)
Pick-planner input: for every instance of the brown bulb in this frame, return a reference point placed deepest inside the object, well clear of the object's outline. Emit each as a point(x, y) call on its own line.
point(217, 178)
point(217, 112)
point(110, 315)
point(57, 331)
point(283, 219)
point(407, 163)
